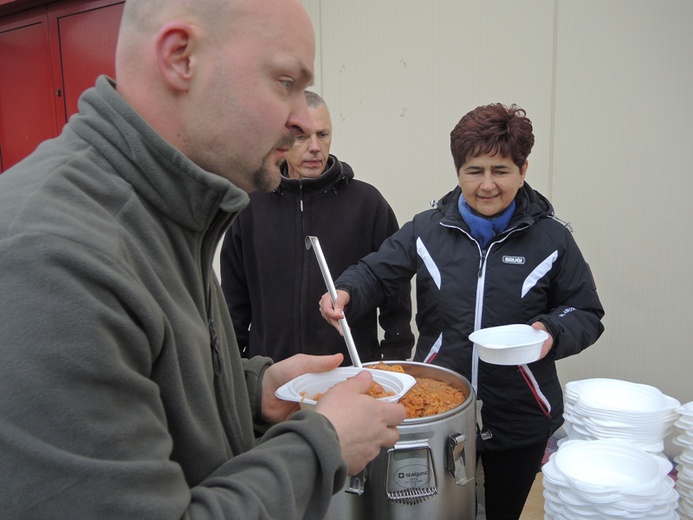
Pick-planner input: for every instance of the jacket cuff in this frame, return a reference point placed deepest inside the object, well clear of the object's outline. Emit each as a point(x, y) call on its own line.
point(254, 372)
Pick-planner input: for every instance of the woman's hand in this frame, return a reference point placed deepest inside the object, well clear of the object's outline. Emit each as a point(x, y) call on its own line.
point(546, 347)
point(334, 313)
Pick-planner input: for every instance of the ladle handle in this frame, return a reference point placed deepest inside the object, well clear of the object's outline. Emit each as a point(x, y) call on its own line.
point(313, 242)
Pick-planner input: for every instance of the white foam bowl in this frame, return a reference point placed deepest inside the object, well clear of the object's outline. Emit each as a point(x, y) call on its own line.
point(594, 468)
point(303, 388)
point(509, 344)
point(614, 397)
point(686, 409)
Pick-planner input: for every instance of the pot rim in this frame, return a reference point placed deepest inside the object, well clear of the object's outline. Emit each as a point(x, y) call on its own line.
point(451, 377)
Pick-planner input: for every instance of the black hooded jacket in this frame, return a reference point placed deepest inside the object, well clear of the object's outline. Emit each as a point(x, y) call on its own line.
point(532, 271)
point(272, 283)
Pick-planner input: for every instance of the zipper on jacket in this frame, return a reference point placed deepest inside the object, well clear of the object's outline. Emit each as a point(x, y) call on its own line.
point(219, 393)
point(482, 259)
point(544, 406)
point(478, 312)
point(216, 355)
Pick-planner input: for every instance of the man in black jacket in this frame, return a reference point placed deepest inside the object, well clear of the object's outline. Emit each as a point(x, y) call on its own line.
point(272, 283)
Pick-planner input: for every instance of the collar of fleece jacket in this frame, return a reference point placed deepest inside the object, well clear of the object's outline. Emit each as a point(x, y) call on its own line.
point(336, 174)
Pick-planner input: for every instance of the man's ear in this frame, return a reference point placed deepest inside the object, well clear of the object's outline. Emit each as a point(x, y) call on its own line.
point(174, 55)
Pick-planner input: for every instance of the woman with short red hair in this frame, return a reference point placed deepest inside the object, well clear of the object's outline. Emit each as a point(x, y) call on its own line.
point(490, 253)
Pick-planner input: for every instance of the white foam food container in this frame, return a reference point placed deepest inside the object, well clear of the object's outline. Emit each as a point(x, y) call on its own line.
point(596, 467)
point(303, 388)
point(515, 344)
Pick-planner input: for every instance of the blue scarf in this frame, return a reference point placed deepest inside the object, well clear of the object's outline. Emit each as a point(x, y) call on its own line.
point(483, 230)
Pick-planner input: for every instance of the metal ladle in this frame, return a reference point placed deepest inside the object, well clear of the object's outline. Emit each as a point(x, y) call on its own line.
point(357, 482)
point(346, 331)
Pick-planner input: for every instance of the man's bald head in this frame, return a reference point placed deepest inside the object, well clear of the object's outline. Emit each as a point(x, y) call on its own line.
point(221, 80)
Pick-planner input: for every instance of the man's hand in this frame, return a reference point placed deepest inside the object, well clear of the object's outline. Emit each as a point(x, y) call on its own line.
point(363, 424)
point(275, 410)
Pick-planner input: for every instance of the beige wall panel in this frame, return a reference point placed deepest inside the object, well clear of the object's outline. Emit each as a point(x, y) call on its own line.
point(621, 174)
point(399, 74)
point(314, 11)
point(607, 84)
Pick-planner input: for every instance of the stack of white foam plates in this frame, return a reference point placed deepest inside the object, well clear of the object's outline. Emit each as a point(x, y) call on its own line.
point(610, 408)
point(608, 478)
point(684, 466)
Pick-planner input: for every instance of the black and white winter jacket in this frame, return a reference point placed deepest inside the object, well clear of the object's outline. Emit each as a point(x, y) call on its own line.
point(532, 271)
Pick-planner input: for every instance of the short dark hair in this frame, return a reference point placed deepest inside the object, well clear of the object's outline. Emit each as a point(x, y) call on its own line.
point(313, 100)
point(492, 129)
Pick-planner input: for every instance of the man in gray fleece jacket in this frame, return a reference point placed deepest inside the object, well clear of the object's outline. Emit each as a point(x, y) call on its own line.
point(122, 391)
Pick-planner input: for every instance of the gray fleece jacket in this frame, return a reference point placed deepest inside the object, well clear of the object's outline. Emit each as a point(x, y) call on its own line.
point(122, 392)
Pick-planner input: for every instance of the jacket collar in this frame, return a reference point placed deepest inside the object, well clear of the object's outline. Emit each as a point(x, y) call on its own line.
point(157, 171)
point(336, 173)
point(530, 207)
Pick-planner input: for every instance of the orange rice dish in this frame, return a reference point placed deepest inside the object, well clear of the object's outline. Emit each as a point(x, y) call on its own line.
point(376, 390)
point(427, 396)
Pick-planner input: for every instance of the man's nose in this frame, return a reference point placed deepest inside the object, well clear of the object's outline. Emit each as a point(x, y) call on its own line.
point(313, 143)
point(300, 121)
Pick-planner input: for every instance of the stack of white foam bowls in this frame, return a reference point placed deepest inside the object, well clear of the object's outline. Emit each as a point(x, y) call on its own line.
point(610, 408)
point(684, 467)
point(608, 478)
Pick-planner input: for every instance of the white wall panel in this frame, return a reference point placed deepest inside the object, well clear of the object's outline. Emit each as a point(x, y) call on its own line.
point(399, 74)
point(607, 84)
point(622, 169)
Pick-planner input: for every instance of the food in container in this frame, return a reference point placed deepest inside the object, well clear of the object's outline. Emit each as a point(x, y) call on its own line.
point(428, 396)
point(376, 390)
point(429, 472)
point(305, 388)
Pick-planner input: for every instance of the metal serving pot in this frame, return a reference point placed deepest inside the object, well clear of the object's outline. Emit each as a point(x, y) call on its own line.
point(428, 474)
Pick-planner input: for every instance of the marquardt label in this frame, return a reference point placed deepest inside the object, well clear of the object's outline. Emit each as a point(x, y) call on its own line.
point(412, 476)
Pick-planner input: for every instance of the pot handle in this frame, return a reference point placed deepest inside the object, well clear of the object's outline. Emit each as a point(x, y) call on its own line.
point(357, 482)
point(403, 453)
point(456, 459)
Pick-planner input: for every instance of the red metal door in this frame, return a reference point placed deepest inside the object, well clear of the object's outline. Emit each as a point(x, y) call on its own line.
point(85, 35)
point(48, 57)
point(27, 110)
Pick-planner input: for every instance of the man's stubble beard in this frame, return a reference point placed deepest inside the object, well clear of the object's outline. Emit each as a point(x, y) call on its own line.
point(268, 176)
point(264, 179)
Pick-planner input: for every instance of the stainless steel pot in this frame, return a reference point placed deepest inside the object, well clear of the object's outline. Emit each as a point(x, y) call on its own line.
point(429, 474)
